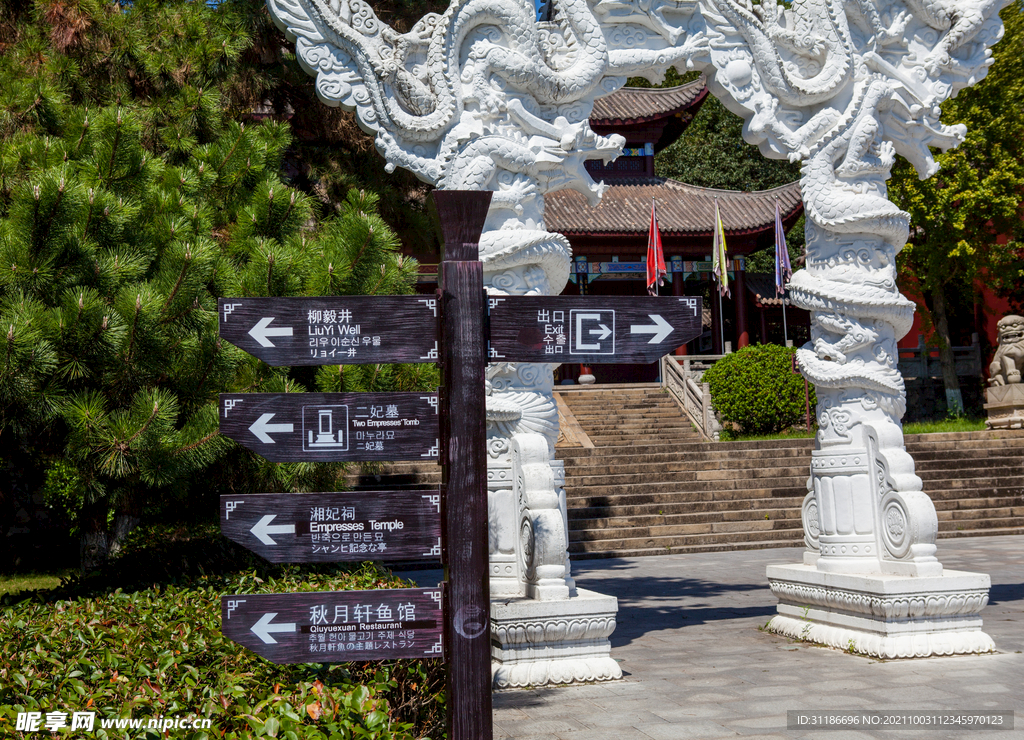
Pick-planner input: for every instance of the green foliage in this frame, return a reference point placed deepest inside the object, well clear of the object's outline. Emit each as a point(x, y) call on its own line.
point(756, 389)
point(130, 200)
point(958, 215)
point(157, 650)
point(713, 154)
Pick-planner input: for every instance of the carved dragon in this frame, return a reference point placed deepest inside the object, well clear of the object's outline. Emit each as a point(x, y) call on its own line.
point(486, 96)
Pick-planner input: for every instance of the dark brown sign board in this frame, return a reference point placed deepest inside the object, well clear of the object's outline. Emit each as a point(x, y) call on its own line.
point(333, 427)
point(335, 527)
point(590, 330)
point(336, 626)
point(338, 330)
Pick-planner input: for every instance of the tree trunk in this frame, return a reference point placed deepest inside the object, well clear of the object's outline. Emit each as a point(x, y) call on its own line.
point(94, 545)
point(123, 525)
point(950, 381)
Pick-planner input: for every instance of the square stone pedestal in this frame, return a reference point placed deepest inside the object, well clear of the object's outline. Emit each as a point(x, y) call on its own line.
point(883, 616)
point(1005, 406)
point(540, 643)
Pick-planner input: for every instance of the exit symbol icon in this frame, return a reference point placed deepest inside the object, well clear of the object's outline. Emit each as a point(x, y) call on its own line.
point(592, 331)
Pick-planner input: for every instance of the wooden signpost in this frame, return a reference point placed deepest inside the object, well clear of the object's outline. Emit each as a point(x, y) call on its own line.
point(336, 626)
point(590, 329)
point(333, 427)
point(340, 330)
point(452, 621)
point(335, 527)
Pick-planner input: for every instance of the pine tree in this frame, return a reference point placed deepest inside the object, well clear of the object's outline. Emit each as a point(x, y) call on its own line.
point(130, 200)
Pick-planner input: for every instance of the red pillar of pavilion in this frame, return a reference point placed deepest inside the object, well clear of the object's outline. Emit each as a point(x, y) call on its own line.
point(677, 290)
point(740, 296)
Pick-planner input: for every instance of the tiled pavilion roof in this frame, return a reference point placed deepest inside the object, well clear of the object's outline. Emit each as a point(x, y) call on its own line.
point(682, 209)
point(631, 105)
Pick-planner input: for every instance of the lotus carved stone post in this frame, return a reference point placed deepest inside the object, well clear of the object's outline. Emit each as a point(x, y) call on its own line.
point(485, 96)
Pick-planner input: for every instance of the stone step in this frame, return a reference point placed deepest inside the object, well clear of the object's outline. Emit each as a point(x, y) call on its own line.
point(723, 546)
point(992, 532)
point(630, 464)
point(623, 523)
point(979, 502)
point(676, 508)
point(981, 524)
point(743, 529)
point(667, 473)
point(619, 545)
point(724, 488)
point(995, 512)
point(681, 448)
point(698, 453)
point(673, 494)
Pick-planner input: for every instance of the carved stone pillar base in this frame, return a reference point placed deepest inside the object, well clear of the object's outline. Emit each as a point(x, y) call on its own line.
point(883, 616)
point(1005, 406)
point(545, 643)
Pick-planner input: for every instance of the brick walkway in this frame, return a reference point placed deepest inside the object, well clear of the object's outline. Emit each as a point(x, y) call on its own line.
point(697, 667)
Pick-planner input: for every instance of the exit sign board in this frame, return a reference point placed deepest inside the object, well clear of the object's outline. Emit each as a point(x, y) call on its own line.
point(590, 330)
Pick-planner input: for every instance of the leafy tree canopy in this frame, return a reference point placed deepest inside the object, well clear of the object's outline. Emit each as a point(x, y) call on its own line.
point(960, 216)
point(130, 200)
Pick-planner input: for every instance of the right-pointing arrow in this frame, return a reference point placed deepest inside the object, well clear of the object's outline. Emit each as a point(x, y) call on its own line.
point(604, 331)
point(263, 529)
point(263, 628)
point(660, 329)
point(262, 330)
point(262, 428)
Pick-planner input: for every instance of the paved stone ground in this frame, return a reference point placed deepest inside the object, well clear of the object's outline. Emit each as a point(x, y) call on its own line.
point(697, 666)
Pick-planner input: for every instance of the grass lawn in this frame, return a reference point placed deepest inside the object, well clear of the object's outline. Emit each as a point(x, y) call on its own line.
point(917, 427)
point(10, 584)
point(945, 425)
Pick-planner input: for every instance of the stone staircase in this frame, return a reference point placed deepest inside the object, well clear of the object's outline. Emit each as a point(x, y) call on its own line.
point(650, 486)
point(639, 491)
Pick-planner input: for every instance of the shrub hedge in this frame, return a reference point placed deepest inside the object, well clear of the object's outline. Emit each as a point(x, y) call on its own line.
point(756, 390)
point(157, 651)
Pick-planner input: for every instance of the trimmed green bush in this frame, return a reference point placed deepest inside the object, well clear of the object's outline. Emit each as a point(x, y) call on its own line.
point(756, 390)
point(157, 651)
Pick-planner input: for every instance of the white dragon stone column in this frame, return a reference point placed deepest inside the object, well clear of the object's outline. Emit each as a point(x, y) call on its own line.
point(843, 88)
point(485, 97)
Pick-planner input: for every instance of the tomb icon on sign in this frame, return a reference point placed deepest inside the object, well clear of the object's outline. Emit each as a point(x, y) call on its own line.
point(325, 427)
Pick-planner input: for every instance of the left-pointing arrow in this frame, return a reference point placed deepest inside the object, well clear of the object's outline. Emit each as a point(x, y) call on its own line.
point(263, 529)
point(262, 428)
point(262, 330)
point(660, 328)
point(263, 628)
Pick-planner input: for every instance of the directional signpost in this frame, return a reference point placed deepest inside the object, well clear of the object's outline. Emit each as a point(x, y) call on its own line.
point(335, 527)
point(448, 427)
point(336, 626)
point(333, 427)
point(345, 330)
point(590, 329)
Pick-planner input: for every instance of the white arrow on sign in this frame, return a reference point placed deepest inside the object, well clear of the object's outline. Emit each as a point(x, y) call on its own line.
point(262, 330)
point(604, 331)
point(263, 628)
point(660, 328)
point(262, 428)
point(263, 529)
